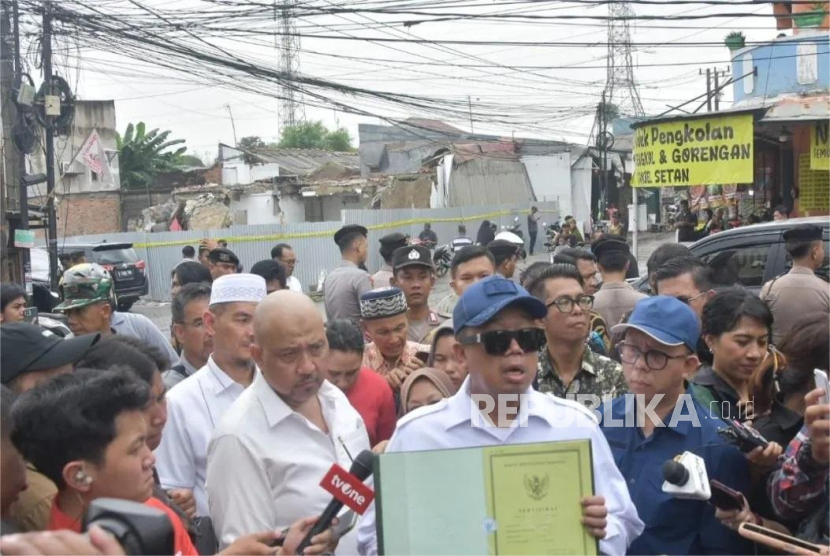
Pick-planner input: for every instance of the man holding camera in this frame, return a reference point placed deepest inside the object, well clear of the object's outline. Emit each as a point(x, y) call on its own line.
point(659, 421)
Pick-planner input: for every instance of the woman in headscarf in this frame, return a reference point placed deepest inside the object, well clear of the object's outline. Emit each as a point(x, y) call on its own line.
point(424, 387)
point(485, 234)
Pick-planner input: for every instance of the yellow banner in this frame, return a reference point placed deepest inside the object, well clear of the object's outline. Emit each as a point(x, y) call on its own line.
point(813, 188)
point(702, 151)
point(820, 146)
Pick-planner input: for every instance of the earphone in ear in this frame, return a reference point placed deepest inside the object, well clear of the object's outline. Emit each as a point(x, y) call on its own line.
point(82, 477)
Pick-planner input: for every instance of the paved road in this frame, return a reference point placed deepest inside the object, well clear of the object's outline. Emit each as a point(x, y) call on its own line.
point(159, 313)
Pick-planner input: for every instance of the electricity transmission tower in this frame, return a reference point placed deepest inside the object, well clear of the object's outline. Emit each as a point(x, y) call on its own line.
point(620, 86)
point(292, 110)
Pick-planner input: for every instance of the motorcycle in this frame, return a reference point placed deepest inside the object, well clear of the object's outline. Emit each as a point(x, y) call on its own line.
point(551, 231)
point(442, 258)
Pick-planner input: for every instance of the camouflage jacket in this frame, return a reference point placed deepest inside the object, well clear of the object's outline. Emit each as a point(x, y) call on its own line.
point(599, 376)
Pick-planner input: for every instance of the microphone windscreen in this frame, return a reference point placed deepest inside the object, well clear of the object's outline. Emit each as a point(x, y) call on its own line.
point(362, 465)
point(675, 473)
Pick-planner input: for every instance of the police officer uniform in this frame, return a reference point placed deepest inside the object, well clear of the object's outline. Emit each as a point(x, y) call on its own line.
point(417, 255)
point(388, 244)
point(346, 283)
point(797, 293)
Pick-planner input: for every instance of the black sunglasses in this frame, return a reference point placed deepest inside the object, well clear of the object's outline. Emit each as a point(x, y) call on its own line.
point(497, 342)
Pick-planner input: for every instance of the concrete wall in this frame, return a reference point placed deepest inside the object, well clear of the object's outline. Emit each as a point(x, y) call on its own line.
point(483, 181)
point(799, 64)
point(259, 208)
point(77, 178)
point(236, 172)
point(550, 177)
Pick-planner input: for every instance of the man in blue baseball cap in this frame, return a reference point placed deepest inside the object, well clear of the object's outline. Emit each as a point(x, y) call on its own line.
point(660, 420)
point(497, 324)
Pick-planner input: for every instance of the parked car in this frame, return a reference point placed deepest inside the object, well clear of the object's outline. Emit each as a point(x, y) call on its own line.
point(128, 271)
point(758, 249)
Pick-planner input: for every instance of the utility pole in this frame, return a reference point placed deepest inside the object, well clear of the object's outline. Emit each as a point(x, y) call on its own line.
point(25, 255)
point(233, 125)
point(50, 147)
point(708, 90)
point(713, 92)
point(11, 169)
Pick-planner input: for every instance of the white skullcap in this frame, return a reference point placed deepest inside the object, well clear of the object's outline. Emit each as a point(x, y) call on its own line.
point(233, 288)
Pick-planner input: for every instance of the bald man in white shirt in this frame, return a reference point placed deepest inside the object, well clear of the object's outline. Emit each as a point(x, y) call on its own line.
point(279, 439)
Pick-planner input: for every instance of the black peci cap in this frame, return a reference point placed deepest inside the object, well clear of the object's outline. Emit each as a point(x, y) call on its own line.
point(222, 255)
point(803, 232)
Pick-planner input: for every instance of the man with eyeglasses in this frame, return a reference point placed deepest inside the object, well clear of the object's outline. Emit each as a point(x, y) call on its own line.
point(284, 254)
point(659, 420)
point(189, 307)
point(497, 325)
point(586, 263)
point(567, 367)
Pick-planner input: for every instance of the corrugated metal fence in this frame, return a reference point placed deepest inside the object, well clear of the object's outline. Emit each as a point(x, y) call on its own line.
point(312, 241)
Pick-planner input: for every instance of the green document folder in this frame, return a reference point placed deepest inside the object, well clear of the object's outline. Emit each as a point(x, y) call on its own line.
point(517, 499)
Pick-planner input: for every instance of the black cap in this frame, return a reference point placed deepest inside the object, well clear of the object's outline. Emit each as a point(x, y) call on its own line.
point(411, 255)
point(803, 232)
point(222, 255)
point(502, 247)
point(349, 230)
point(609, 244)
point(396, 239)
point(37, 349)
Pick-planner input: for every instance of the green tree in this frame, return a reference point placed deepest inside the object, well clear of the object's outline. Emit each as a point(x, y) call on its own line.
point(142, 155)
point(314, 135)
point(251, 144)
point(191, 160)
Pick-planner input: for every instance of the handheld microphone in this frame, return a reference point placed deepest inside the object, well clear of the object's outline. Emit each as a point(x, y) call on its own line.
point(685, 477)
point(346, 488)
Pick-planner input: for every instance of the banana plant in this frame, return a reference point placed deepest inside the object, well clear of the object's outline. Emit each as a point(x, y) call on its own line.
point(142, 155)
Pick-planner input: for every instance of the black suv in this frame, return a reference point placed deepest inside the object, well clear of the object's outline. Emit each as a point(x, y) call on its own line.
point(759, 250)
point(128, 271)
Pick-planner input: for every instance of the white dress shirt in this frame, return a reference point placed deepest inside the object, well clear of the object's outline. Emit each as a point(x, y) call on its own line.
point(450, 424)
point(266, 462)
point(294, 284)
point(194, 409)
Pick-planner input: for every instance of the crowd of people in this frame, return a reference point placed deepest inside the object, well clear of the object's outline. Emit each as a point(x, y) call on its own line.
point(228, 425)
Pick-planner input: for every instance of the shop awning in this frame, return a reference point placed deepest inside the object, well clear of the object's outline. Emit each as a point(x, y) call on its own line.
point(799, 109)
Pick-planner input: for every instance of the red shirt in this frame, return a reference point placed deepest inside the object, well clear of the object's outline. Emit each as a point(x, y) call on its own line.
point(59, 521)
point(372, 398)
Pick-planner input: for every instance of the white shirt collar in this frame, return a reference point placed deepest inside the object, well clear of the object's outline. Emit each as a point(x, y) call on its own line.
point(218, 381)
point(275, 408)
point(461, 409)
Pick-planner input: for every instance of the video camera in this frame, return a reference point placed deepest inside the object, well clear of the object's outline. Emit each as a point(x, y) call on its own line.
point(138, 528)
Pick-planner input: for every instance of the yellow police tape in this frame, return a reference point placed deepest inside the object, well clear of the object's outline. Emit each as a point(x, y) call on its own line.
point(329, 233)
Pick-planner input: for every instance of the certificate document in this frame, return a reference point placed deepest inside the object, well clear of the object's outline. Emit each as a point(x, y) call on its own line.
point(500, 500)
point(533, 497)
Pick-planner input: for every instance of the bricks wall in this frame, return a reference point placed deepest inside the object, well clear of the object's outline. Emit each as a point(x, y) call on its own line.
point(89, 213)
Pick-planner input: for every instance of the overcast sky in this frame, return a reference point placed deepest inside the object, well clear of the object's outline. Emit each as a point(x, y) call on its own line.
point(550, 103)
